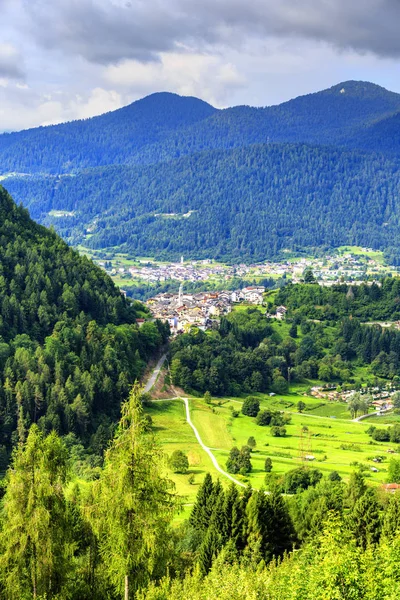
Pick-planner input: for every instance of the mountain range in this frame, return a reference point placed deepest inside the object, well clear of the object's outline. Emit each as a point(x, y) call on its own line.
point(168, 175)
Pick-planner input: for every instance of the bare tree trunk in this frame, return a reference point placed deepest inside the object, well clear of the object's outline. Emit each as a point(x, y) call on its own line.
point(126, 596)
point(34, 578)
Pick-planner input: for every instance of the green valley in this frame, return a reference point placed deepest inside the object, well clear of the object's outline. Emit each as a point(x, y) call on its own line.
point(236, 436)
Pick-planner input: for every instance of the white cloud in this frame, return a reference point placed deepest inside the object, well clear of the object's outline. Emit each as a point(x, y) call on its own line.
point(99, 101)
point(11, 62)
point(190, 74)
point(67, 59)
point(109, 31)
point(22, 108)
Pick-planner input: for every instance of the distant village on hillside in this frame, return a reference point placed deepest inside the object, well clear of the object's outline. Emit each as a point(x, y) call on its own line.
point(345, 266)
point(202, 309)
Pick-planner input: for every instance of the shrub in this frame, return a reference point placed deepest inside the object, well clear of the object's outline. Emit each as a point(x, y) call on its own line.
point(301, 479)
point(251, 442)
point(381, 435)
point(251, 406)
point(268, 465)
point(394, 433)
point(264, 418)
point(278, 431)
point(207, 398)
point(179, 462)
point(239, 461)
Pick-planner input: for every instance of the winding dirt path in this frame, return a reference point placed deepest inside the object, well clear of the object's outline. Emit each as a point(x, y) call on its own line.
point(200, 441)
point(153, 377)
point(206, 448)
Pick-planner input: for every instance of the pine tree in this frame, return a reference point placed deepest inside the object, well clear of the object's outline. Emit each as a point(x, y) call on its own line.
point(391, 520)
point(202, 510)
point(356, 488)
point(365, 520)
point(230, 508)
point(209, 549)
point(268, 519)
point(218, 518)
point(133, 502)
point(35, 542)
point(281, 534)
point(241, 520)
point(259, 521)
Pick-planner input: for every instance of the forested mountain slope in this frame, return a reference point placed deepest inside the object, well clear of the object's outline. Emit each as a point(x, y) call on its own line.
point(337, 116)
point(42, 279)
point(383, 135)
point(169, 174)
point(69, 343)
point(111, 138)
point(165, 126)
point(242, 204)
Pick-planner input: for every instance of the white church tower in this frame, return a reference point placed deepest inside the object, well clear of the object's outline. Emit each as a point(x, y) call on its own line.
point(180, 297)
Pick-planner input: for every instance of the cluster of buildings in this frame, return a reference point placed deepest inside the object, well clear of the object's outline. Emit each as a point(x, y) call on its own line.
point(349, 267)
point(381, 398)
point(193, 271)
point(328, 271)
point(201, 309)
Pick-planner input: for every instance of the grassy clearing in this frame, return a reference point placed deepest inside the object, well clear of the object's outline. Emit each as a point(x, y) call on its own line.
point(389, 419)
point(174, 433)
point(212, 426)
point(62, 213)
point(243, 306)
point(358, 251)
point(331, 437)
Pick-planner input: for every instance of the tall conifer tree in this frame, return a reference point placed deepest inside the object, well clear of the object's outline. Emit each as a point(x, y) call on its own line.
point(134, 502)
point(202, 510)
point(35, 545)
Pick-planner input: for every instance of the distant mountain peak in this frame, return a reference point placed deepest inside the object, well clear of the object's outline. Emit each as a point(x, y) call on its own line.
point(161, 100)
point(360, 89)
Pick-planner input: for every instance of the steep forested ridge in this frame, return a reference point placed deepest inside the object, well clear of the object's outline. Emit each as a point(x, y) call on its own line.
point(112, 138)
point(317, 171)
point(42, 279)
point(165, 126)
point(69, 343)
point(241, 204)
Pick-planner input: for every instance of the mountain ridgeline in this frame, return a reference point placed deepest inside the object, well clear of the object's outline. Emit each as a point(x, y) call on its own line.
point(169, 174)
point(69, 344)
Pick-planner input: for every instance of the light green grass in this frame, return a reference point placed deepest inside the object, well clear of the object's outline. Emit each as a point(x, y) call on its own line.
point(358, 251)
point(335, 443)
point(244, 306)
point(174, 433)
point(388, 419)
point(212, 426)
point(62, 213)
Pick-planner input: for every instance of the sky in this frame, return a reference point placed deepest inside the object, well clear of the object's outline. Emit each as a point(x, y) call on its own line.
point(70, 59)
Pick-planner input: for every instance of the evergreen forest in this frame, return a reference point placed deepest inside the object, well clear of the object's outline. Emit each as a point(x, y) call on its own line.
point(327, 340)
point(70, 347)
point(168, 175)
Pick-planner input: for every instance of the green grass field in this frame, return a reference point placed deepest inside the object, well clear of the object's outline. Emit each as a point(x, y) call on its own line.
point(174, 433)
point(332, 438)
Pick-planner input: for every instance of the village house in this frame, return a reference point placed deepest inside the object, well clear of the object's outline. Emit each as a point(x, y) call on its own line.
point(253, 295)
point(281, 312)
point(391, 488)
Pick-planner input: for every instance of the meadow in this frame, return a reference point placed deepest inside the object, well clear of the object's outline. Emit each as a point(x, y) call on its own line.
point(325, 430)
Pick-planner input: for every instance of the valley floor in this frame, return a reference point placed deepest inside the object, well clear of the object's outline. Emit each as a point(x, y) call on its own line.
point(336, 442)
